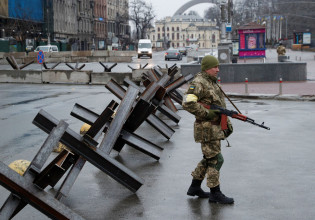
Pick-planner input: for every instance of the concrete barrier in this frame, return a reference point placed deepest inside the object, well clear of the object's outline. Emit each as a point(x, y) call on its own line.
point(66, 76)
point(72, 56)
point(62, 76)
point(20, 76)
point(104, 77)
point(257, 72)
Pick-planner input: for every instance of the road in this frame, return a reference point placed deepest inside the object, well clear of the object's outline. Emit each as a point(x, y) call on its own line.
point(269, 173)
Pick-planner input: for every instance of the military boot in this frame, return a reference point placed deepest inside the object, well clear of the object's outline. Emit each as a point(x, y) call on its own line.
point(195, 189)
point(218, 197)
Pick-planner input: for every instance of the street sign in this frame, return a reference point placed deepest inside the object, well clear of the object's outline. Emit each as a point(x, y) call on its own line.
point(228, 27)
point(40, 57)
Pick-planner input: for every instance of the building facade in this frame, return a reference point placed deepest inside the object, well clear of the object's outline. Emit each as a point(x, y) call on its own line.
point(69, 24)
point(62, 20)
point(185, 30)
point(100, 18)
point(118, 29)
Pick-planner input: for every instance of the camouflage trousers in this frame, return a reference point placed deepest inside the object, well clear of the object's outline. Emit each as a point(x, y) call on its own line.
point(210, 164)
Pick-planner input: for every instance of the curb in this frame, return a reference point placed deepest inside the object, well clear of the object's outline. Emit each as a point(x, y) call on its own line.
point(288, 97)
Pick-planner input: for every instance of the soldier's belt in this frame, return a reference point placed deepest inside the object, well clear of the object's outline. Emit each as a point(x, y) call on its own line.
point(217, 122)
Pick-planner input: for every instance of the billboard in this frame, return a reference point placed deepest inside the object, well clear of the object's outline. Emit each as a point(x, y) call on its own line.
point(31, 10)
point(4, 12)
point(306, 38)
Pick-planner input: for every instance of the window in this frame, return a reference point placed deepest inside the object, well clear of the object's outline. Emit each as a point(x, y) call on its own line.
point(159, 29)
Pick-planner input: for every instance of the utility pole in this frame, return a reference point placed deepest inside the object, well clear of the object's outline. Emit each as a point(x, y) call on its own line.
point(230, 13)
point(225, 46)
point(223, 20)
point(48, 28)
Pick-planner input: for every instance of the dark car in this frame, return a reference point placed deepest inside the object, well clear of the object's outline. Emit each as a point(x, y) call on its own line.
point(173, 54)
point(183, 50)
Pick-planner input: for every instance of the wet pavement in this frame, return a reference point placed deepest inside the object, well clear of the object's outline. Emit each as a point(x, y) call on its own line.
point(270, 174)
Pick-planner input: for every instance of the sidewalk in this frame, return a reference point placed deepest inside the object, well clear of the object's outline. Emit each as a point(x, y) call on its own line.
point(298, 90)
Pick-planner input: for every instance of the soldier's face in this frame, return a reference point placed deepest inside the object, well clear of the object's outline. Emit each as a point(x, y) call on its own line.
point(213, 71)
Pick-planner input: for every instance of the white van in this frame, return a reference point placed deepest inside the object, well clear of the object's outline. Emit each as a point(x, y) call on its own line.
point(47, 48)
point(144, 48)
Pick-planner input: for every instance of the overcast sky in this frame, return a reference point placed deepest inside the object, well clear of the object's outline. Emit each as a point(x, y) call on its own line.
point(163, 8)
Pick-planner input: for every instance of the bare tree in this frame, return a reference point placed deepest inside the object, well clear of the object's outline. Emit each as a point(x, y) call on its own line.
point(295, 15)
point(213, 13)
point(142, 15)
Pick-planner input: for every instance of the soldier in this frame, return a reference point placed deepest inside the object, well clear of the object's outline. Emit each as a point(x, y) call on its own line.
point(281, 50)
point(203, 92)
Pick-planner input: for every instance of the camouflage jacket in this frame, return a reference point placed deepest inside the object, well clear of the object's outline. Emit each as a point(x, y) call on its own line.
point(204, 89)
point(281, 50)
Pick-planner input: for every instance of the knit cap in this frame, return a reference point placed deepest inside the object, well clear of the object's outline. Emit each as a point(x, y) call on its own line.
point(209, 62)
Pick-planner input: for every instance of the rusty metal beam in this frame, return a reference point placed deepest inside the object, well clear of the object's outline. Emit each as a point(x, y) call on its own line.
point(22, 188)
point(97, 157)
point(154, 121)
point(130, 138)
point(118, 122)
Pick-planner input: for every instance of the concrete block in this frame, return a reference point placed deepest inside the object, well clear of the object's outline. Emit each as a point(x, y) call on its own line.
point(113, 59)
point(59, 54)
point(66, 76)
point(32, 54)
point(64, 53)
point(104, 77)
point(137, 74)
point(257, 72)
point(93, 59)
point(55, 60)
point(20, 76)
point(112, 53)
point(100, 53)
point(17, 55)
point(81, 53)
point(29, 59)
point(3, 61)
point(79, 59)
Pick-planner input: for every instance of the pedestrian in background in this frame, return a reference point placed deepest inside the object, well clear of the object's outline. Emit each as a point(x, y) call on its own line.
point(203, 92)
point(281, 50)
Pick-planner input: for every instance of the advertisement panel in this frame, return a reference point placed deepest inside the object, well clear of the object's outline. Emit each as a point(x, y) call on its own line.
point(26, 10)
point(4, 12)
point(306, 38)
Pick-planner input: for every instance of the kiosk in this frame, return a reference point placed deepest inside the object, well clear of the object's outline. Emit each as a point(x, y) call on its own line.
point(252, 41)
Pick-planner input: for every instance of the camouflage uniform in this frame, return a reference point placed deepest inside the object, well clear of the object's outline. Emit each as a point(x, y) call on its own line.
point(207, 132)
point(281, 50)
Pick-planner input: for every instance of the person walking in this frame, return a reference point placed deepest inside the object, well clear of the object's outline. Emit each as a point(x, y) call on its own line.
point(281, 50)
point(203, 92)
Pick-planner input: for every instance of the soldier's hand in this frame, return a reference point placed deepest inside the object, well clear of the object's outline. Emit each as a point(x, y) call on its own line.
point(228, 131)
point(212, 114)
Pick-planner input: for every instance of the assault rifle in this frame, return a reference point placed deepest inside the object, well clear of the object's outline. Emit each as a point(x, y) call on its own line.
point(235, 114)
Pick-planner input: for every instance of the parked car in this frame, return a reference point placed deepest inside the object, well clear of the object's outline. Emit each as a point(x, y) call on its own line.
point(173, 54)
point(47, 48)
point(183, 50)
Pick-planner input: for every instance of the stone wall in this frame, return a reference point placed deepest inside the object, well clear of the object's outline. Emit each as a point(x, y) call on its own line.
point(258, 72)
